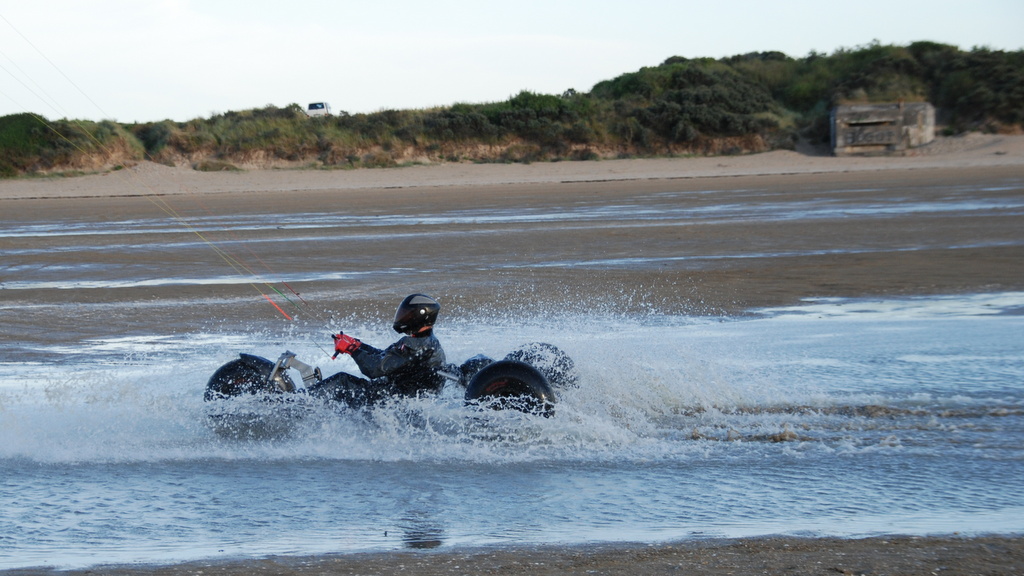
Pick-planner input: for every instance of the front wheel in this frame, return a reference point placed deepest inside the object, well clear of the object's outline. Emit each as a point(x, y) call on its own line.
point(247, 374)
point(512, 385)
point(248, 378)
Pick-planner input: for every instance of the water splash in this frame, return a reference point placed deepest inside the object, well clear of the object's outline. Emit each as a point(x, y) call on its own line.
point(680, 388)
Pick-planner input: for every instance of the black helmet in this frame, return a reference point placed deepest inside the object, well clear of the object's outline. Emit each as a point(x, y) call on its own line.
point(415, 312)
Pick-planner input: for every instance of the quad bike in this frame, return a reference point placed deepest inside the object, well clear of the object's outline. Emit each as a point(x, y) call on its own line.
point(524, 380)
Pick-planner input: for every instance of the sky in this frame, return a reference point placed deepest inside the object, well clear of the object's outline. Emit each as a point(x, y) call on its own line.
point(150, 60)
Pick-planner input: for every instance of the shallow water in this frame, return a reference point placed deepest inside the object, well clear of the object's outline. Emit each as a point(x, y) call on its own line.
point(838, 417)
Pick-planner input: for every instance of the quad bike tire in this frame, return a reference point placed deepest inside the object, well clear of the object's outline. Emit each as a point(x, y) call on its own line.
point(512, 385)
point(556, 366)
point(247, 374)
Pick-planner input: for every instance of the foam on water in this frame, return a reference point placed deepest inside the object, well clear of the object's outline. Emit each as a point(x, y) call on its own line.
point(834, 417)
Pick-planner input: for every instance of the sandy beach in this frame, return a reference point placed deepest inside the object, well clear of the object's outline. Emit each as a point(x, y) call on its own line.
point(989, 258)
point(970, 151)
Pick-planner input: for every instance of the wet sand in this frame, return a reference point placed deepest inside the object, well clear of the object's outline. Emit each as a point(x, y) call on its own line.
point(696, 266)
point(793, 556)
point(899, 255)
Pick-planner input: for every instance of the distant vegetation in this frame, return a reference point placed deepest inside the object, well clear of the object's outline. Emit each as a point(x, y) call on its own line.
point(747, 103)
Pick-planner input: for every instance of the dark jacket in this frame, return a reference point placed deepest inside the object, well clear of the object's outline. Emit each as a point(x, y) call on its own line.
point(407, 367)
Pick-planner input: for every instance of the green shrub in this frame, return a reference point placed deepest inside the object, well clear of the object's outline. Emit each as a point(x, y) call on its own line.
point(30, 143)
point(154, 136)
point(21, 134)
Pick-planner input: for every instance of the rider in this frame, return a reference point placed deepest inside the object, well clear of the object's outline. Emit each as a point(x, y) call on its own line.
point(406, 368)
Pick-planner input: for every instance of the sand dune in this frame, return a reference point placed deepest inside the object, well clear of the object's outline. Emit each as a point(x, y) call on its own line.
point(968, 151)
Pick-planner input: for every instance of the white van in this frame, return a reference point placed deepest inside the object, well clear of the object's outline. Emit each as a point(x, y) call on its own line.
point(318, 109)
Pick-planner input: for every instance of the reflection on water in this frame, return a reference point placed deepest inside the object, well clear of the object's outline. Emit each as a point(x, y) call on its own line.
point(421, 535)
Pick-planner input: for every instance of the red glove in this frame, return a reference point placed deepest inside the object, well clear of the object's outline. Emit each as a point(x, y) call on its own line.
point(344, 344)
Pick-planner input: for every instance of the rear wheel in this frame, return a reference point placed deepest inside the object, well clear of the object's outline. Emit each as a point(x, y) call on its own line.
point(556, 366)
point(470, 367)
point(512, 385)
